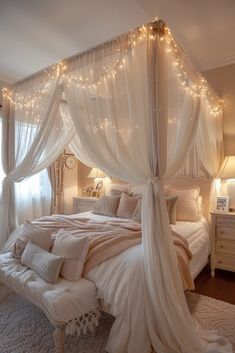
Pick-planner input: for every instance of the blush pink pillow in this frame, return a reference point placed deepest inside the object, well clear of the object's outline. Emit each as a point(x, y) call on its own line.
point(127, 205)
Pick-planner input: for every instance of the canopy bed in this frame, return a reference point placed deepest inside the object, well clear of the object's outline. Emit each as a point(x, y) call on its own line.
point(135, 108)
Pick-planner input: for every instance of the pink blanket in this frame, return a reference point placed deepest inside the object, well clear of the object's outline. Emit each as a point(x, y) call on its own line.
point(108, 239)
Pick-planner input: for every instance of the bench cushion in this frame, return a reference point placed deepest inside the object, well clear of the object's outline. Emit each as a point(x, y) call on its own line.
point(63, 302)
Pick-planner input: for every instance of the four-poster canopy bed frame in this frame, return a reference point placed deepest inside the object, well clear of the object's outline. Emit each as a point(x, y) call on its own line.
point(155, 155)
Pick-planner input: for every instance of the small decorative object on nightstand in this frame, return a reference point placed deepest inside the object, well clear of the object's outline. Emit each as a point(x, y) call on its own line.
point(83, 204)
point(222, 241)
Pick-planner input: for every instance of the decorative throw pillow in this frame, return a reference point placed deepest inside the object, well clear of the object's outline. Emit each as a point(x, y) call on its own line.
point(34, 233)
point(127, 205)
point(200, 206)
point(187, 208)
point(44, 263)
point(107, 205)
point(74, 250)
point(171, 208)
point(117, 189)
point(137, 212)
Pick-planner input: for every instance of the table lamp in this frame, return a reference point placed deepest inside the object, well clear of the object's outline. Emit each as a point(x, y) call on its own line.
point(227, 172)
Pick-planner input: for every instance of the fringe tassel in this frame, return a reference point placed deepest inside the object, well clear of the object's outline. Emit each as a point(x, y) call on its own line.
point(87, 321)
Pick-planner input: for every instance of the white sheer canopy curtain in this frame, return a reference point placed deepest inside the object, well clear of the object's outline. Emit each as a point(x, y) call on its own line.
point(34, 134)
point(124, 98)
point(136, 108)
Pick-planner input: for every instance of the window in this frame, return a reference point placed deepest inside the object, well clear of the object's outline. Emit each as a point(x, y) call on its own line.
point(33, 195)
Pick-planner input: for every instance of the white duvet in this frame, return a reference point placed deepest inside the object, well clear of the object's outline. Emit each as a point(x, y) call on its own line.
point(120, 285)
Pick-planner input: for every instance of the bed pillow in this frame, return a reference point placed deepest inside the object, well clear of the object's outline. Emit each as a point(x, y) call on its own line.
point(107, 205)
point(137, 212)
point(37, 235)
point(117, 189)
point(74, 250)
point(200, 206)
point(44, 263)
point(171, 202)
point(187, 208)
point(171, 208)
point(127, 205)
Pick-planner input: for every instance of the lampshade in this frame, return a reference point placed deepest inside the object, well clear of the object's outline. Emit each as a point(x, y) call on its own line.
point(96, 173)
point(227, 170)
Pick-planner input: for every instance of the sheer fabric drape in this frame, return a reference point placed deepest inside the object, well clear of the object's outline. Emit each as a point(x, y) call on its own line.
point(135, 120)
point(126, 102)
point(35, 132)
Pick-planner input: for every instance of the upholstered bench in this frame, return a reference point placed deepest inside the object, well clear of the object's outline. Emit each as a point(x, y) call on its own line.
point(71, 306)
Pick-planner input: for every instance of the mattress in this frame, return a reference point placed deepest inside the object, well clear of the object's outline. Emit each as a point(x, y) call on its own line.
point(196, 233)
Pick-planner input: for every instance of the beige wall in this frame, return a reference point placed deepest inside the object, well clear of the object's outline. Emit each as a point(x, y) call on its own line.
point(222, 79)
point(70, 188)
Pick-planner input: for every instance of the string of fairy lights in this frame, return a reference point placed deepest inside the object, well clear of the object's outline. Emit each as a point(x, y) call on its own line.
point(88, 80)
point(197, 89)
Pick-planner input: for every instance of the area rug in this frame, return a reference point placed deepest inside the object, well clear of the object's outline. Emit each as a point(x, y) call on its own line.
point(25, 329)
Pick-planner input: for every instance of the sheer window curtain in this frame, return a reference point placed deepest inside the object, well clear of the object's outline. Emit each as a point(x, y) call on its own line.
point(35, 133)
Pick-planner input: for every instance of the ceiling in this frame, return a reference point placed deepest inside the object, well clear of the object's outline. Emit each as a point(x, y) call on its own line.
point(35, 34)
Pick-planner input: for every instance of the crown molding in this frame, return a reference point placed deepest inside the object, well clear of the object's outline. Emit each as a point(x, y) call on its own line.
point(8, 79)
point(219, 63)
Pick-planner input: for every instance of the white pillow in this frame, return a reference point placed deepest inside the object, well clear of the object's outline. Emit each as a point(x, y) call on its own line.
point(44, 263)
point(117, 189)
point(74, 250)
point(107, 205)
point(200, 205)
point(37, 235)
point(187, 208)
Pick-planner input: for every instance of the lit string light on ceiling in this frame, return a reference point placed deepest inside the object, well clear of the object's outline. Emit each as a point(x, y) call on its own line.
point(64, 69)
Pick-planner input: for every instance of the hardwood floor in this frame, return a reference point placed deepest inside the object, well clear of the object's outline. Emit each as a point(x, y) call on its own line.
point(221, 287)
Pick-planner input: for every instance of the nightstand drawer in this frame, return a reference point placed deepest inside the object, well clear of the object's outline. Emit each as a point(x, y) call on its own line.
point(225, 246)
point(225, 262)
point(225, 232)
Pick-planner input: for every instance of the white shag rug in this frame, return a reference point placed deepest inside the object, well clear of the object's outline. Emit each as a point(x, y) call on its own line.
point(25, 329)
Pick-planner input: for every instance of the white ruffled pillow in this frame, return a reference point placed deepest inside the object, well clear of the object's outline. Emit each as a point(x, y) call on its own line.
point(74, 250)
point(44, 263)
point(187, 207)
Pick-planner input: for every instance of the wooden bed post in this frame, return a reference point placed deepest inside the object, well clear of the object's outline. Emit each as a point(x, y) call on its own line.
point(59, 338)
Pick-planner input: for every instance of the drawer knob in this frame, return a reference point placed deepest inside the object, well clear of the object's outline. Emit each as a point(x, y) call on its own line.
point(221, 232)
point(221, 246)
point(220, 262)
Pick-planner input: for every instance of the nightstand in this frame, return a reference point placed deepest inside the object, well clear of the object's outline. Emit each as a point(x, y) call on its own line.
point(222, 241)
point(83, 204)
